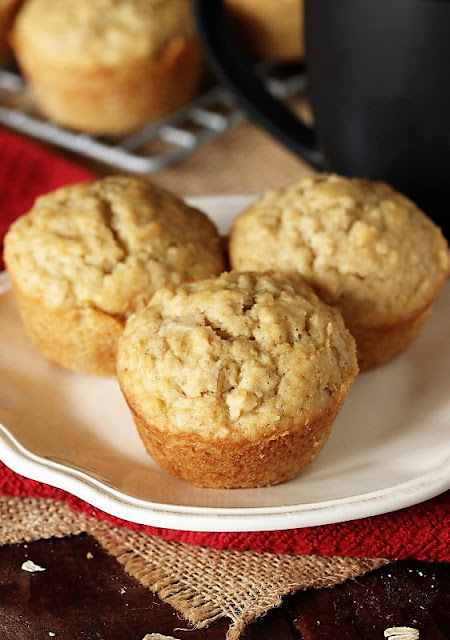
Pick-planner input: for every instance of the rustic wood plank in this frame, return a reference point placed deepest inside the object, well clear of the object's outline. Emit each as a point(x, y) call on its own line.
point(80, 598)
point(415, 594)
point(92, 598)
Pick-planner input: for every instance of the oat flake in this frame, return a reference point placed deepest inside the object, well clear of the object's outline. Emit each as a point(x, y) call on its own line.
point(401, 633)
point(31, 567)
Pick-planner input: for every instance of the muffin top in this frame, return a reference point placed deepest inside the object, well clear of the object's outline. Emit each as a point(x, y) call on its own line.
point(109, 244)
point(365, 248)
point(237, 356)
point(89, 33)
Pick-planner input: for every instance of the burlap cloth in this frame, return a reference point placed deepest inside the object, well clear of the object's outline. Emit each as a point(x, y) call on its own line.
point(202, 584)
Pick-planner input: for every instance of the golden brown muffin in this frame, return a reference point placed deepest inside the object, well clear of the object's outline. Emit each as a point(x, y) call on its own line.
point(88, 255)
point(8, 10)
point(270, 29)
point(108, 66)
point(235, 381)
point(365, 249)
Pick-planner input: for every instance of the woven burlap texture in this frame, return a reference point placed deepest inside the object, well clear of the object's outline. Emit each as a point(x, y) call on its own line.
point(202, 584)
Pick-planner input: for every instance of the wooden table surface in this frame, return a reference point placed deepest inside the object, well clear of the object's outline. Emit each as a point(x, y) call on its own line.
point(80, 597)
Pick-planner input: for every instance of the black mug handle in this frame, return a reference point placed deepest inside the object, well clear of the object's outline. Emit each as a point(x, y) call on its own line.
point(223, 54)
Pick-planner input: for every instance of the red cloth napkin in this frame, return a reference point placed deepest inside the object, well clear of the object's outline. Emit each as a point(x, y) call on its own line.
point(421, 531)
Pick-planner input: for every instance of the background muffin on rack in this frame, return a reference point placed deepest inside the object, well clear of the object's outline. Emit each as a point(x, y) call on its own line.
point(108, 66)
point(365, 248)
point(269, 29)
point(88, 255)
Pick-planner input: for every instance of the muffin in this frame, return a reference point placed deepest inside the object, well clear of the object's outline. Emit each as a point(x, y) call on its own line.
point(8, 10)
point(108, 66)
point(235, 381)
point(272, 29)
point(88, 255)
point(363, 247)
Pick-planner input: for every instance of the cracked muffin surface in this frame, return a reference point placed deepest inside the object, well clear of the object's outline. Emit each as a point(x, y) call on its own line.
point(243, 359)
point(109, 244)
point(88, 255)
point(365, 248)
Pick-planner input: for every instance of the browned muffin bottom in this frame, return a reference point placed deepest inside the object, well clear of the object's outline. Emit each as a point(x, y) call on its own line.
point(272, 29)
point(8, 11)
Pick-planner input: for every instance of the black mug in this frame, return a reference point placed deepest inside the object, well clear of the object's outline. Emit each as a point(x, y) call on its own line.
point(379, 78)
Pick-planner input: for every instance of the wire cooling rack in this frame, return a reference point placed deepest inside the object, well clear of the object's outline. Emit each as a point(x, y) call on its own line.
point(154, 146)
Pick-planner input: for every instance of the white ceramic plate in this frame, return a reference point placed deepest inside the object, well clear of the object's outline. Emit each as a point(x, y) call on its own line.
point(390, 447)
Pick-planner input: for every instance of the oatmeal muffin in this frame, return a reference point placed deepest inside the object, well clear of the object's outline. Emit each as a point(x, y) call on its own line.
point(235, 381)
point(272, 29)
point(108, 66)
point(88, 255)
point(8, 10)
point(363, 247)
